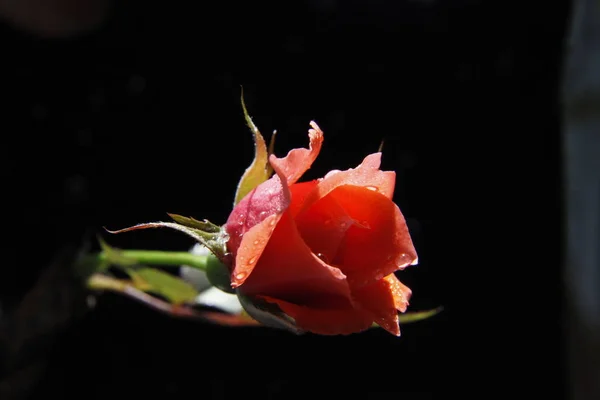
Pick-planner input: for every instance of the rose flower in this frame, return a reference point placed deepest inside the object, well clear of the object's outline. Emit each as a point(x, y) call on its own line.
point(323, 251)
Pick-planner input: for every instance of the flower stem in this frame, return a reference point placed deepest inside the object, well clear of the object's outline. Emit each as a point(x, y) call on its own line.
point(163, 258)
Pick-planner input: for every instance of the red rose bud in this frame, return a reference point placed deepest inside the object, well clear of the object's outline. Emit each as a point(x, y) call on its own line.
point(323, 252)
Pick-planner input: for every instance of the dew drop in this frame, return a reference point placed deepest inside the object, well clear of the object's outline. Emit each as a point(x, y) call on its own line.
point(256, 242)
point(323, 258)
point(272, 223)
point(373, 188)
point(252, 261)
point(241, 275)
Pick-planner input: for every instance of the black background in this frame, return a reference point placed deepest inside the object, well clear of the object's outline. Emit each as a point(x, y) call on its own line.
point(143, 118)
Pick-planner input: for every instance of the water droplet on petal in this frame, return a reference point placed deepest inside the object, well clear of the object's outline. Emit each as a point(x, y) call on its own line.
point(373, 188)
point(241, 275)
point(272, 223)
point(256, 242)
point(251, 261)
point(323, 258)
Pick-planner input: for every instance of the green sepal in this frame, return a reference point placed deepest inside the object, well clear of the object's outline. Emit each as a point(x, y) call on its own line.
point(258, 171)
point(268, 314)
point(211, 236)
point(218, 274)
point(205, 226)
point(415, 316)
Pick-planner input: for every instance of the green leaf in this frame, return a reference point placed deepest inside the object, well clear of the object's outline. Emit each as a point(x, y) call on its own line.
point(174, 289)
point(258, 171)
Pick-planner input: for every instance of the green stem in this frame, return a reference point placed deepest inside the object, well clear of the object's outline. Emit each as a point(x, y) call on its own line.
point(164, 258)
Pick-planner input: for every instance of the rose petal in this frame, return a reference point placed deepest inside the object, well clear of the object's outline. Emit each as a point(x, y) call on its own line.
point(298, 161)
point(367, 174)
point(251, 222)
point(400, 291)
point(251, 248)
point(299, 192)
point(298, 276)
point(325, 321)
point(377, 247)
point(324, 226)
point(383, 299)
point(267, 200)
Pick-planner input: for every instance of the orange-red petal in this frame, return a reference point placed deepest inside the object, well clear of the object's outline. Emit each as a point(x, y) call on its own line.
point(324, 226)
point(383, 299)
point(325, 321)
point(400, 291)
point(298, 161)
point(380, 245)
point(367, 174)
point(251, 248)
point(288, 270)
point(252, 221)
point(299, 192)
